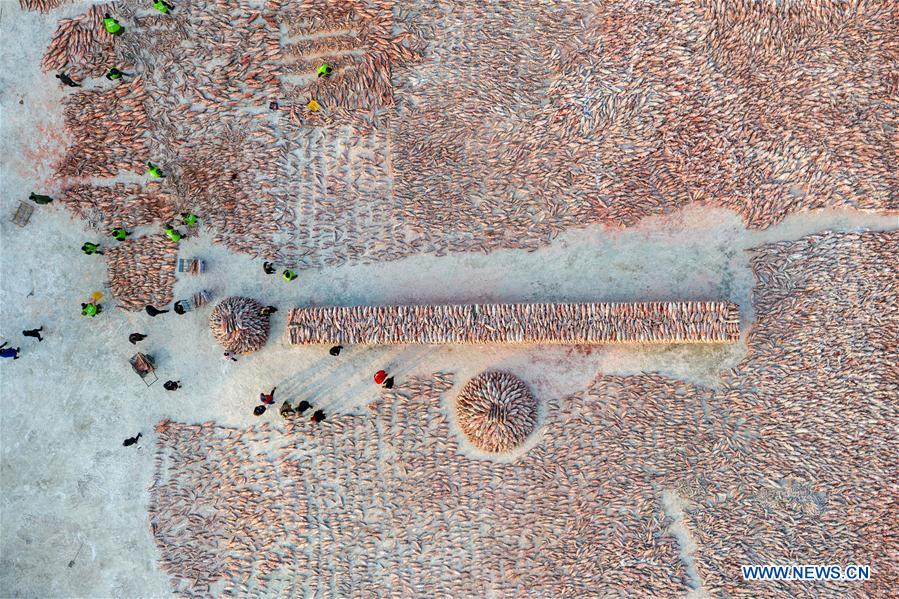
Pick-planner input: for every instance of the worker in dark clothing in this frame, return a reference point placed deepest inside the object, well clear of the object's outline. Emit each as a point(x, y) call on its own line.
point(267, 310)
point(304, 405)
point(230, 355)
point(135, 337)
point(269, 398)
point(38, 199)
point(388, 384)
point(66, 80)
point(286, 410)
point(36, 333)
point(9, 352)
point(131, 440)
point(91, 248)
point(120, 234)
point(259, 410)
point(318, 416)
point(154, 311)
point(179, 307)
point(113, 74)
point(335, 351)
point(172, 385)
point(268, 267)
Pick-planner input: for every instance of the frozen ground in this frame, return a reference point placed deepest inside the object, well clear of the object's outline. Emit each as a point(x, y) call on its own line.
point(68, 403)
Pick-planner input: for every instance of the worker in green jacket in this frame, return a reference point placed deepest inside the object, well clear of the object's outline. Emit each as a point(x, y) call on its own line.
point(172, 233)
point(113, 74)
point(189, 219)
point(120, 234)
point(163, 7)
point(111, 25)
point(289, 275)
point(40, 199)
point(91, 248)
point(324, 70)
point(154, 171)
point(91, 309)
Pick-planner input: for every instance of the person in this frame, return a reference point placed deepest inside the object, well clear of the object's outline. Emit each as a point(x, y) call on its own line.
point(304, 405)
point(324, 70)
point(289, 275)
point(91, 248)
point(42, 200)
point(91, 309)
point(66, 80)
point(188, 219)
point(273, 105)
point(230, 355)
point(9, 352)
point(154, 312)
point(113, 74)
point(318, 416)
point(179, 307)
point(131, 440)
point(172, 233)
point(335, 351)
point(388, 384)
point(269, 398)
point(154, 171)
point(36, 333)
point(286, 410)
point(259, 410)
point(267, 310)
point(120, 234)
point(163, 7)
point(111, 25)
point(380, 377)
point(172, 385)
point(268, 268)
point(135, 337)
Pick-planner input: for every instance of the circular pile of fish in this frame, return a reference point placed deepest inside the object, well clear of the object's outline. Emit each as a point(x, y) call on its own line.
point(237, 325)
point(496, 411)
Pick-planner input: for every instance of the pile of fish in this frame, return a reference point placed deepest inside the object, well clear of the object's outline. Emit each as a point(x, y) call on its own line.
point(108, 130)
point(788, 461)
point(362, 41)
point(80, 46)
point(496, 411)
point(44, 6)
point(142, 271)
point(238, 326)
point(120, 205)
point(653, 322)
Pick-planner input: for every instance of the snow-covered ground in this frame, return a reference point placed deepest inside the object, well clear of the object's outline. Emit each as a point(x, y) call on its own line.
point(70, 401)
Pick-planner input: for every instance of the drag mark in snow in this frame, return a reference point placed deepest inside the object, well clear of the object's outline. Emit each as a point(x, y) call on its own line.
point(673, 506)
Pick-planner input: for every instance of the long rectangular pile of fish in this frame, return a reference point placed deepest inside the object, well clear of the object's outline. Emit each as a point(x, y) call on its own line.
point(142, 271)
point(651, 322)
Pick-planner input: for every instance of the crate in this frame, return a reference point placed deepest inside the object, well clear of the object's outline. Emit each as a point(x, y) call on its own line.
point(22, 214)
